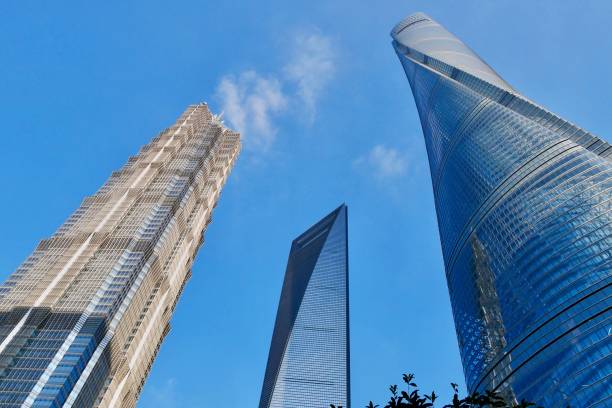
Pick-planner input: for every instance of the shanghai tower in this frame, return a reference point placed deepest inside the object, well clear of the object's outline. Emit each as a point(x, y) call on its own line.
point(309, 363)
point(524, 206)
point(82, 319)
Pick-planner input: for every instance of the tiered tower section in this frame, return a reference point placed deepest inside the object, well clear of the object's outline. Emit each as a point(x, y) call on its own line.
point(82, 319)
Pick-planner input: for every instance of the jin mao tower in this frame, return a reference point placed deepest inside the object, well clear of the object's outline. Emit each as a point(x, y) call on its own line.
point(82, 319)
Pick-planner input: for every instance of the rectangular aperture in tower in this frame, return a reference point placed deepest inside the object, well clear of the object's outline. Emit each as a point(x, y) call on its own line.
point(81, 320)
point(308, 364)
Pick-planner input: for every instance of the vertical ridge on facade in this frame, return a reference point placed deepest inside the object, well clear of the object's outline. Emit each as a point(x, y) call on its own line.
point(82, 319)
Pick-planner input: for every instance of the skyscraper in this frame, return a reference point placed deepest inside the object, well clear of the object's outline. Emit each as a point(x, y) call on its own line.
point(308, 364)
point(524, 202)
point(81, 320)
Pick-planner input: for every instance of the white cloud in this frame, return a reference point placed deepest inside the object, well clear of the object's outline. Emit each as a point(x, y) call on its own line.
point(312, 67)
point(252, 102)
point(385, 161)
point(165, 396)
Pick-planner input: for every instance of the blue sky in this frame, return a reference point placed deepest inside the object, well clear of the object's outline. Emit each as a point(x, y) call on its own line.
point(327, 116)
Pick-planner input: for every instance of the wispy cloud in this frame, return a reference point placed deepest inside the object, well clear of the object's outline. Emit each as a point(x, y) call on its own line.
point(165, 395)
point(312, 67)
point(385, 161)
point(252, 102)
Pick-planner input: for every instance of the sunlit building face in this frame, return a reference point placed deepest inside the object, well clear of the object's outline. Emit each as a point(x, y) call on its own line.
point(82, 319)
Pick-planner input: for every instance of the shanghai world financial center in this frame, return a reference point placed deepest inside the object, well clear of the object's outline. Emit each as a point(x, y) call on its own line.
point(524, 207)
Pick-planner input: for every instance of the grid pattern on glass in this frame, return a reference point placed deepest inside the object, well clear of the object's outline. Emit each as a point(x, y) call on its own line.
point(523, 200)
point(82, 318)
point(314, 368)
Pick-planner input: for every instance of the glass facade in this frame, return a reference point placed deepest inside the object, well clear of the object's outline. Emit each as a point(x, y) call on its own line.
point(308, 364)
point(524, 208)
point(81, 320)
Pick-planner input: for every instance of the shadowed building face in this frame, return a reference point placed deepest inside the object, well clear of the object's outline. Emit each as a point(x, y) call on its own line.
point(308, 364)
point(523, 199)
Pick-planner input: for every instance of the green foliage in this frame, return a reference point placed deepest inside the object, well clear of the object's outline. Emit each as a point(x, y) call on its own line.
point(411, 397)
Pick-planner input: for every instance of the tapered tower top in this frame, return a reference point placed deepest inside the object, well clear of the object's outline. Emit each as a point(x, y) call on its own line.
point(420, 33)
